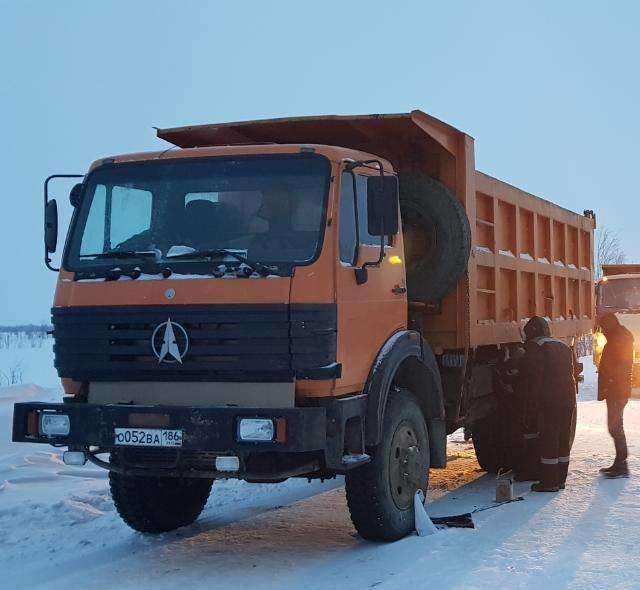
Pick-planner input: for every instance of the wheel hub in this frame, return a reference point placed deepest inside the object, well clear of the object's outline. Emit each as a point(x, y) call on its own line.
point(405, 466)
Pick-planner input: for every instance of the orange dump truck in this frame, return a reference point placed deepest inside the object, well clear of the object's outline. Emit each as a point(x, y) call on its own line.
point(618, 291)
point(297, 297)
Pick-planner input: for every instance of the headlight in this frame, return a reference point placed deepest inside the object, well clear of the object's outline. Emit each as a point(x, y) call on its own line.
point(54, 424)
point(256, 429)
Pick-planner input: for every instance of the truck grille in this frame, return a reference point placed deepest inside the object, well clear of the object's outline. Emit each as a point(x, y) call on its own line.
point(270, 342)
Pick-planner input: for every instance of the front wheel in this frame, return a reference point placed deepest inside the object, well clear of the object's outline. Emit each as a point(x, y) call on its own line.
point(380, 494)
point(158, 504)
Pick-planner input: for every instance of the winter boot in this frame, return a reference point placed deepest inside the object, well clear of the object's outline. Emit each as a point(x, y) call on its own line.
point(606, 470)
point(617, 470)
point(616, 464)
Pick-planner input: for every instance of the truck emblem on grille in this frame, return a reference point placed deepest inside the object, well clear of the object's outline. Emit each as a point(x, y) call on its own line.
point(174, 342)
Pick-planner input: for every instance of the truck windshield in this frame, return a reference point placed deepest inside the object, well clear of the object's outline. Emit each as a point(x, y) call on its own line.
point(620, 294)
point(264, 208)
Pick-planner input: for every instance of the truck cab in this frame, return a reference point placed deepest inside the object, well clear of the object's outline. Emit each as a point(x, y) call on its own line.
point(163, 235)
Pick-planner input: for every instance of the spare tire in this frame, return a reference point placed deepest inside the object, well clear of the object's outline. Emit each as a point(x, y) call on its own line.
point(437, 237)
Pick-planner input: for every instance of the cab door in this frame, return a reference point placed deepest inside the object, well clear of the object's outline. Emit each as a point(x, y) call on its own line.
point(368, 313)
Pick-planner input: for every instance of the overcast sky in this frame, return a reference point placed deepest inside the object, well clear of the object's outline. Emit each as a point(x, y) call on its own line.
point(549, 90)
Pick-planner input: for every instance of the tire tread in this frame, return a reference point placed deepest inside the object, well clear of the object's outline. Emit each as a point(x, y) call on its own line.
point(158, 505)
point(368, 507)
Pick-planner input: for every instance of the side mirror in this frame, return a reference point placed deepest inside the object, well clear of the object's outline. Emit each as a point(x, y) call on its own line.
point(382, 205)
point(51, 226)
point(51, 217)
point(75, 195)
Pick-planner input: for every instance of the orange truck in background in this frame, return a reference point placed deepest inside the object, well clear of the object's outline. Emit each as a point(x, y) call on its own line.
point(299, 297)
point(618, 291)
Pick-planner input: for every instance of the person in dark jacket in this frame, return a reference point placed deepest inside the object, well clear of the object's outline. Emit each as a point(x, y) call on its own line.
point(548, 379)
point(614, 386)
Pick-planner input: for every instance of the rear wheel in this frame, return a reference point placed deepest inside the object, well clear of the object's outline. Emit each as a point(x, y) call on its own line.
point(158, 504)
point(486, 445)
point(380, 494)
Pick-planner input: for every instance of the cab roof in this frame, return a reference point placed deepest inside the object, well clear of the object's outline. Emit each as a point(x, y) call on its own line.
point(333, 153)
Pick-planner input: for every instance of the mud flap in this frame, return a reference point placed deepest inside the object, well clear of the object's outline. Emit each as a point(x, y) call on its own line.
point(437, 442)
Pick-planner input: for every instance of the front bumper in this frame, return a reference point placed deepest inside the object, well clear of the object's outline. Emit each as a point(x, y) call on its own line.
point(315, 431)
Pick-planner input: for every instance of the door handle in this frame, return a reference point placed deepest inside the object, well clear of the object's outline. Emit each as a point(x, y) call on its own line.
point(398, 290)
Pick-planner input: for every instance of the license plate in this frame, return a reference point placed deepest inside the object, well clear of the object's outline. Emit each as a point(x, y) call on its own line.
point(148, 437)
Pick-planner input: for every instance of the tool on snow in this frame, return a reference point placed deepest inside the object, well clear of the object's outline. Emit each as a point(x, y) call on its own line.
point(465, 521)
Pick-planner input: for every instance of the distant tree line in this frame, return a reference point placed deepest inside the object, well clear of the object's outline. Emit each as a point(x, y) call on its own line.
point(24, 336)
point(27, 328)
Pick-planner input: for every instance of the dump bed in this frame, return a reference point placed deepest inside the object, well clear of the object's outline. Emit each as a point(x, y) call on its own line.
point(528, 256)
point(531, 257)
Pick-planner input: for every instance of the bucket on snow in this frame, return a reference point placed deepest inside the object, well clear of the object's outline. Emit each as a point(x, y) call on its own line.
point(504, 486)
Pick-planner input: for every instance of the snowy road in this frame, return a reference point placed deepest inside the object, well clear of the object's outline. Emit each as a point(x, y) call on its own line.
point(58, 528)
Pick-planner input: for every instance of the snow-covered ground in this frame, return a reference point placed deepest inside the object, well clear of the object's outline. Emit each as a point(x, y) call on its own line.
point(59, 529)
point(32, 359)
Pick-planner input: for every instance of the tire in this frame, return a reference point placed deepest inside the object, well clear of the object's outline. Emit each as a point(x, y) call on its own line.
point(158, 504)
point(486, 445)
point(378, 512)
point(437, 237)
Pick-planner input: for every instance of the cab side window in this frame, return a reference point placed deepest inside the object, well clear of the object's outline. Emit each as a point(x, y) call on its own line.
point(365, 237)
point(348, 240)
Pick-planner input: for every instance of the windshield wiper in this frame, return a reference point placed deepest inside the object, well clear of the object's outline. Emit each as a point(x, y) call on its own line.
point(121, 254)
point(115, 273)
point(259, 267)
